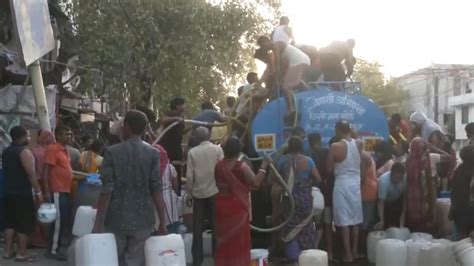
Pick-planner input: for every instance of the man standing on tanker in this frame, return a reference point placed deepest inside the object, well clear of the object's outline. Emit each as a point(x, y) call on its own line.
point(292, 64)
point(331, 58)
point(283, 33)
point(345, 158)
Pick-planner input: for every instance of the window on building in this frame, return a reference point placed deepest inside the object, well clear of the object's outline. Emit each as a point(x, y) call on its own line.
point(446, 119)
point(465, 115)
point(457, 86)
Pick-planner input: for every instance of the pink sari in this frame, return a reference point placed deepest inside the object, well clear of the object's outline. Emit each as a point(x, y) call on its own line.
point(232, 221)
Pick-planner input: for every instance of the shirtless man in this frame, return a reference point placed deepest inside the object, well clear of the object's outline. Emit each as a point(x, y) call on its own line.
point(331, 58)
point(345, 159)
point(291, 64)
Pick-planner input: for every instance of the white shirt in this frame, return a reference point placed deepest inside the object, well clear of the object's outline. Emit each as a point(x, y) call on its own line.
point(295, 56)
point(242, 107)
point(435, 159)
point(350, 167)
point(202, 160)
point(280, 34)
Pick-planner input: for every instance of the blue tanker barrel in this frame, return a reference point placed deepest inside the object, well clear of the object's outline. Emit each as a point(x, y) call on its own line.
point(319, 110)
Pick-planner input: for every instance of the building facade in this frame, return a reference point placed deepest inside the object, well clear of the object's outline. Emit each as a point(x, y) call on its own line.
point(443, 93)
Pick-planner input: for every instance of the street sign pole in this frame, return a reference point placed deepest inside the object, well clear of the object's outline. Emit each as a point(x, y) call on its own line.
point(30, 17)
point(40, 95)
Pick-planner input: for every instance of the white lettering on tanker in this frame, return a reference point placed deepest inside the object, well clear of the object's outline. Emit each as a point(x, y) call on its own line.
point(312, 103)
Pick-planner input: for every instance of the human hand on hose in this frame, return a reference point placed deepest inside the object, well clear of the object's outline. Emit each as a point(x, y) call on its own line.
point(267, 161)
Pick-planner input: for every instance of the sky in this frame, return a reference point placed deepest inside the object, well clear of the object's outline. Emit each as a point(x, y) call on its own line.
point(402, 35)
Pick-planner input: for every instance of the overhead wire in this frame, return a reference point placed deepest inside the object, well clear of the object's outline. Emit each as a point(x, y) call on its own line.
point(82, 67)
point(419, 99)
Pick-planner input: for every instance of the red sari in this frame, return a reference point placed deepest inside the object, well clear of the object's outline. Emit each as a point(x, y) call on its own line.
point(232, 221)
point(421, 194)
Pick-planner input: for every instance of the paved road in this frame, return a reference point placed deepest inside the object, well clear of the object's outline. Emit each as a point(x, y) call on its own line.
point(46, 262)
point(43, 260)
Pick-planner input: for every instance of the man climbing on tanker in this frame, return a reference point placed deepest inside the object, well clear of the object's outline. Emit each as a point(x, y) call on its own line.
point(290, 63)
point(331, 58)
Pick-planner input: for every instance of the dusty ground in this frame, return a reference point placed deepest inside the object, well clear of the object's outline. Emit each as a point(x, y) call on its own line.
point(46, 262)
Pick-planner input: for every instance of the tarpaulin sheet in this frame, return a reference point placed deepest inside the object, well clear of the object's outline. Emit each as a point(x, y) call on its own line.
point(18, 107)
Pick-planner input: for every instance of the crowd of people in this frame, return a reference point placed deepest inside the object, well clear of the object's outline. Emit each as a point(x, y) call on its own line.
point(47, 170)
point(397, 185)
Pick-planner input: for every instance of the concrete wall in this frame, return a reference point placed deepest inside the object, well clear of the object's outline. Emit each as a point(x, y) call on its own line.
point(421, 88)
point(458, 102)
point(422, 95)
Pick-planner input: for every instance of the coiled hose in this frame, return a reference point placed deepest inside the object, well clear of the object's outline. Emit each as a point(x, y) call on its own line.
point(272, 167)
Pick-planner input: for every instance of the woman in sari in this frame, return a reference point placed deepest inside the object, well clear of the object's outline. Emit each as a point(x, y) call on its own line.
point(91, 159)
point(422, 179)
point(45, 138)
point(301, 173)
point(445, 169)
point(232, 219)
point(170, 183)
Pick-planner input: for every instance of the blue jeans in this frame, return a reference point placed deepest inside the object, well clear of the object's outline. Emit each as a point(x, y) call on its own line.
point(61, 227)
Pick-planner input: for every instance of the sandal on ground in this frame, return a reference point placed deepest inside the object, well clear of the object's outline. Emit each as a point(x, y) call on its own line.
point(27, 259)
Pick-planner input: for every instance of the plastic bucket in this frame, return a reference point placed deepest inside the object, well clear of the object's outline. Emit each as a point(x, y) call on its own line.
point(466, 257)
point(398, 233)
point(421, 236)
point(372, 240)
point(444, 195)
point(259, 257)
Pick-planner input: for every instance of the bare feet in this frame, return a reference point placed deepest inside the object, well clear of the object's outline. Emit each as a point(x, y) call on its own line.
point(348, 260)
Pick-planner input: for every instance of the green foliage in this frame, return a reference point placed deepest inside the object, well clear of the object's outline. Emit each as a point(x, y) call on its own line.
point(165, 48)
point(384, 93)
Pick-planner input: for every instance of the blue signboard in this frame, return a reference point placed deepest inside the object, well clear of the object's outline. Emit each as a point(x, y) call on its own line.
point(318, 111)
